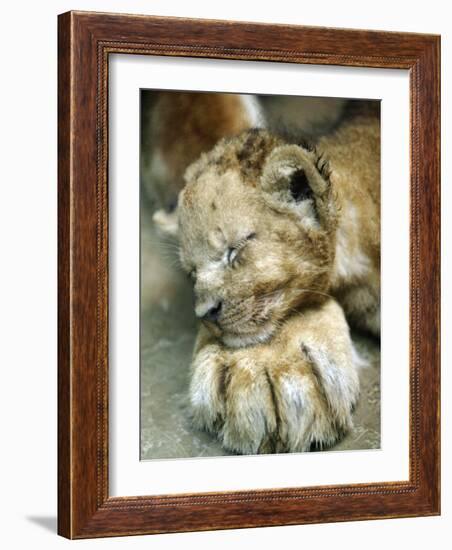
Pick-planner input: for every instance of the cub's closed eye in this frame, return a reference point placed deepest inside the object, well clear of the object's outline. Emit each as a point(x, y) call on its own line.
point(233, 251)
point(232, 255)
point(192, 274)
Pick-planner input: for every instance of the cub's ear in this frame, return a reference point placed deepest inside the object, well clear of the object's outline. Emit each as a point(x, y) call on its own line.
point(166, 222)
point(295, 181)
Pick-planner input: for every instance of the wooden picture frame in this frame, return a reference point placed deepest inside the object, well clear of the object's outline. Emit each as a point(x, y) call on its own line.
point(85, 42)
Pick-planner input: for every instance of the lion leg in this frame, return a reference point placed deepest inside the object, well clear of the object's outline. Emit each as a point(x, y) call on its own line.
point(296, 391)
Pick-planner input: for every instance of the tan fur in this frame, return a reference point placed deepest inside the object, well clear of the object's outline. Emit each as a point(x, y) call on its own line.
point(282, 396)
point(270, 232)
point(178, 126)
point(354, 156)
point(181, 126)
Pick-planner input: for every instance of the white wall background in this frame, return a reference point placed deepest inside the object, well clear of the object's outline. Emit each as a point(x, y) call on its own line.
point(28, 270)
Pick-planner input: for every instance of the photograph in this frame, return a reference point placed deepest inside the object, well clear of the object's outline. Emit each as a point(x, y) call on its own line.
point(224, 235)
point(248, 274)
point(259, 274)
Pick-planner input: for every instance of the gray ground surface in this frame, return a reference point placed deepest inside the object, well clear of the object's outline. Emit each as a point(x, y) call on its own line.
point(168, 330)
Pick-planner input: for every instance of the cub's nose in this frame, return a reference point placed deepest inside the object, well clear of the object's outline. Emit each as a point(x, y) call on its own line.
point(213, 313)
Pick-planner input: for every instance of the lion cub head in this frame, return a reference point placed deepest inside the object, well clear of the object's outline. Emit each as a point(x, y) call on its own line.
point(256, 225)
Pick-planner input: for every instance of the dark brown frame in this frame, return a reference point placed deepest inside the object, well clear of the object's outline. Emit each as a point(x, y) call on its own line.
point(85, 41)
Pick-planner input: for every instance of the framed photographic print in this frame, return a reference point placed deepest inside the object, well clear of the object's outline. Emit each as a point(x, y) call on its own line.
point(248, 275)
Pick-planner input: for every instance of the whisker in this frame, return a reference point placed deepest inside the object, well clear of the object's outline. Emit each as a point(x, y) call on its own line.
point(316, 292)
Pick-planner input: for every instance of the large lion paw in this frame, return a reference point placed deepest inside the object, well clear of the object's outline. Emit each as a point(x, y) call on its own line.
point(260, 406)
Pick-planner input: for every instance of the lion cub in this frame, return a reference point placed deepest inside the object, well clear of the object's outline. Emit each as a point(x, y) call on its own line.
point(270, 231)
